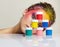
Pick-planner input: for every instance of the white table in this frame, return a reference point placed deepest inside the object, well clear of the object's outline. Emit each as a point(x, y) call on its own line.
point(17, 40)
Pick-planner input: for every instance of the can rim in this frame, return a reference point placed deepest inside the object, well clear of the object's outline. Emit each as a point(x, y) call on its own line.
point(39, 28)
point(34, 20)
point(28, 28)
point(39, 12)
point(49, 28)
point(45, 20)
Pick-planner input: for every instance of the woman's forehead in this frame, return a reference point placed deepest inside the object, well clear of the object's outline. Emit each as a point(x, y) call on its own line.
point(34, 11)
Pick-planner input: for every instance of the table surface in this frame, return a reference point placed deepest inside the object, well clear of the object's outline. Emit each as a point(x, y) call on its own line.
point(18, 40)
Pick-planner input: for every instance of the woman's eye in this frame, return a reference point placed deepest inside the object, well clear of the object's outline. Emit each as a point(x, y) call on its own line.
point(33, 16)
point(39, 24)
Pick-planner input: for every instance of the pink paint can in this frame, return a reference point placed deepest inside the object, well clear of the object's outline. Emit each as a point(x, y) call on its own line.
point(39, 31)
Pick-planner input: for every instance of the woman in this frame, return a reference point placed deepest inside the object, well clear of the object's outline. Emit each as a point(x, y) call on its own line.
point(25, 21)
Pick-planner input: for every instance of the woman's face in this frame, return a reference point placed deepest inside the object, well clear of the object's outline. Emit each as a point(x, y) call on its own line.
point(27, 18)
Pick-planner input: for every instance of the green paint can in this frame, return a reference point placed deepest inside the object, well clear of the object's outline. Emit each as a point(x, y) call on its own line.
point(28, 31)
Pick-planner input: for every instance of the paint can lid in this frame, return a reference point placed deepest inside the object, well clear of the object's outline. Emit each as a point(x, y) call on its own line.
point(34, 20)
point(45, 20)
point(39, 28)
point(39, 12)
point(49, 28)
point(28, 28)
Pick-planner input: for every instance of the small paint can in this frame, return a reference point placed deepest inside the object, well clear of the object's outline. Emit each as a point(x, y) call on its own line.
point(49, 32)
point(39, 15)
point(45, 23)
point(34, 23)
point(39, 31)
point(28, 31)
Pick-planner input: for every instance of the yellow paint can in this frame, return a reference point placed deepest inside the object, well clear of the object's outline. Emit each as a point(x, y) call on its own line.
point(34, 23)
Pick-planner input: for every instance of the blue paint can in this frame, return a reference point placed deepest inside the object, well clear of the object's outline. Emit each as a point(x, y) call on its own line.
point(49, 32)
point(45, 23)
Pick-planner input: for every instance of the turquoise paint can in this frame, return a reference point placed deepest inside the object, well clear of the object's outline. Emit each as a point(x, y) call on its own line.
point(28, 31)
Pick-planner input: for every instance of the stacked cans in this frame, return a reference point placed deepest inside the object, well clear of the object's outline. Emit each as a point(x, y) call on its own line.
point(36, 19)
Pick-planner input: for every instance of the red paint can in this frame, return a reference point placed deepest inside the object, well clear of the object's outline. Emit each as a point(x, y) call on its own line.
point(39, 15)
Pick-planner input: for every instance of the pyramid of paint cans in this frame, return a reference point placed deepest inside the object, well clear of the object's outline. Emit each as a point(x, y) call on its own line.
point(36, 18)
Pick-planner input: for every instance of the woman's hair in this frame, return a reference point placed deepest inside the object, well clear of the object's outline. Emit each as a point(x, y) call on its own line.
point(48, 9)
